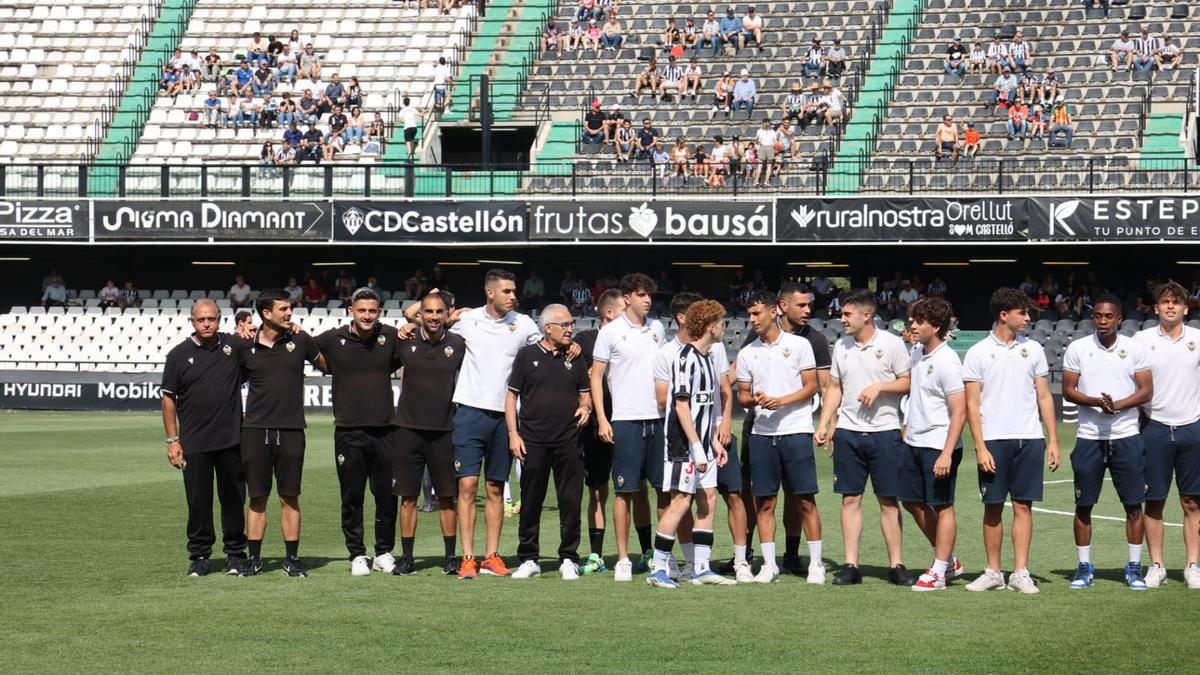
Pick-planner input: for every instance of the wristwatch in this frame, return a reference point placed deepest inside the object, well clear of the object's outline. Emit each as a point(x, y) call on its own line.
point(172, 439)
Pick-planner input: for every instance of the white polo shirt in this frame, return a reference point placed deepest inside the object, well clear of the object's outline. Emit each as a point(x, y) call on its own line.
point(884, 359)
point(665, 359)
point(492, 344)
point(935, 377)
point(1108, 371)
point(1176, 368)
point(630, 351)
point(776, 369)
point(1007, 374)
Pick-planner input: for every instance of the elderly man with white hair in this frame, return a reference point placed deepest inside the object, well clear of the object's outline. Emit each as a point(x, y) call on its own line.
point(553, 393)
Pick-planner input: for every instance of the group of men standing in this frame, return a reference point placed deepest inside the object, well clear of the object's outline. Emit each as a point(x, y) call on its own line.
point(487, 385)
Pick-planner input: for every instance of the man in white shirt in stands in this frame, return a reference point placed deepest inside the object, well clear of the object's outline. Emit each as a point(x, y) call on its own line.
point(1108, 376)
point(752, 28)
point(1008, 387)
point(239, 293)
point(1172, 431)
point(870, 373)
point(441, 84)
point(410, 117)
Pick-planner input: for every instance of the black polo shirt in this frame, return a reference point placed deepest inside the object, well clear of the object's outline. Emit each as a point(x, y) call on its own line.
point(594, 120)
point(587, 344)
point(430, 371)
point(206, 385)
point(276, 378)
point(548, 386)
point(362, 374)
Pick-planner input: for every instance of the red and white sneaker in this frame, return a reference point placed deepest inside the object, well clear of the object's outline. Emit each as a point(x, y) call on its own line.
point(956, 569)
point(930, 581)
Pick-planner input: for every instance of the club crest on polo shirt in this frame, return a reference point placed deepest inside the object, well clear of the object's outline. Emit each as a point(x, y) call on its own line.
point(535, 364)
point(227, 349)
point(1191, 346)
point(787, 352)
point(413, 348)
point(929, 370)
point(191, 360)
point(381, 340)
point(343, 341)
point(512, 327)
point(878, 354)
point(1122, 353)
point(291, 346)
point(1024, 352)
point(448, 351)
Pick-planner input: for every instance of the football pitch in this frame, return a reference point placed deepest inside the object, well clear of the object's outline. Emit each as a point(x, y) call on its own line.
point(92, 564)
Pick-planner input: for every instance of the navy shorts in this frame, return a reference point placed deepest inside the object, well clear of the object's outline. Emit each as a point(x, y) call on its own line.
point(1172, 449)
point(747, 432)
point(857, 455)
point(479, 436)
point(637, 454)
point(917, 482)
point(774, 459)
point(1018, 471)
point(597, 457)
point(729, 477)
point(1125, 459)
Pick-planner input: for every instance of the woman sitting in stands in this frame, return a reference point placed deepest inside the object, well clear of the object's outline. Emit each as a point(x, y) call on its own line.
point(679, 159)
point(354, 94)
point(356, 126)
point(266, 160)
point(723, 94)
point(375, 133)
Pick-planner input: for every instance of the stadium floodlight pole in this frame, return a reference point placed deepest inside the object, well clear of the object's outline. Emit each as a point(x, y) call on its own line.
point(485, 120)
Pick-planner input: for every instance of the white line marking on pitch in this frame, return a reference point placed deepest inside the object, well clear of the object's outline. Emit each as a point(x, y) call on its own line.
point(1094, 517)
point(1067, 480)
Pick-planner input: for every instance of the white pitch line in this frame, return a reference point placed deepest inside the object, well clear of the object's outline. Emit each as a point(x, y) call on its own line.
point(1094, 517)
point(1067, 480)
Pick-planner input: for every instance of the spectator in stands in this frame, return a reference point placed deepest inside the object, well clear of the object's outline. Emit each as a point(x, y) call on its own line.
point(314, 295)
point(907, 296)
point(647, 78)
point(337, 125)
point(446, 5)
point(671, 35)
point(611, 37)
point(937, 288)
point(212, 110)
point(788, 145)
point(247, 111)
point(411, 119)
point(680, 158)
point(744, 92)
point(956, 59)
point(168, 83)
point(1146, 51)
point(417, 285)
point(576, 36)
point(266, 113)
point(335, 94)
point(970, 140)
point(310, 63)
point(274, 49)
point(296, 43)
point(1062, 130)
point(356, 126)
point(591, 37)
point(626, 142)
point(613, 122)
point(977, 62)
point(1004, 91)
point(1037, 122)
point(212, 65)
point(945, 139)
point(834, 103)
point(793, 103)
point(718, 162)
point(593, 124)
point(887, 301)
point(285, 112)
point(130, 296)
point(1028, 87)
point(227, 83)
point(376, 133)
point(752, 28)
point(295, 291)
point(647, 136)
point(533, 292)
point(333, 146)
point(309, 109)
point(997, 55)
point(266, 160)
point(835, 60)
point(691, 80)
point(710, 34)
point(1018, 121)
point(239, 293)
point(244, 77)
point(285, 156)
point(814, 60)
point(552, 36)
point(345, 293)
point(373, 284)
point(312, 145)
point(256, 51)
point(731, 32)
point(293, 135)
point(1096, 4)
point(1048, 89)
point(690, 33)
point(178, 61)
point(767, 138)
point(1122, 51)
point(287, 66)
point(110, 295)
point(586, 10)
point(1170, 55)
point(231, 111)
point(723, 94)
point(442, 79)
point(670, 78)
point(1020, 53)
point(581, 299)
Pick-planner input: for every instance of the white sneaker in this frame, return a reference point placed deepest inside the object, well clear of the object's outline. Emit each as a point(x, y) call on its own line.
point(686, 574)
point(743, 572)
point(569, 570)
point(1021, 581)
point(989, 580)
point(816, 574)
point(1191, 575)
point(360, 566)
point(527, 570)
point(709, 577)
point(1155, 576)
point(384, 562)
point(767, 574)
point(623, 571)
point(673, 570)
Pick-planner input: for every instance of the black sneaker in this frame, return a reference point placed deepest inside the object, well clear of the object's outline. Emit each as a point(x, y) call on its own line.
point(294, 567)
point(253, 566)
point(451, 566)
point(404, 567)
point(795, 566)
point(849, 576)
point(234, 566)
point(899, 576)
point(725, 569)
point(198, 568)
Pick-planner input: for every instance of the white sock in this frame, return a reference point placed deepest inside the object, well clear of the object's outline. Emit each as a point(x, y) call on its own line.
point(1135, 553)
point(768, 551)
point(939, 567)
point(739, 554)
point(814, 553)
point(703, 554)
point(660, 555)
point(507, 493)
point(689, 552)
point(1085, 553)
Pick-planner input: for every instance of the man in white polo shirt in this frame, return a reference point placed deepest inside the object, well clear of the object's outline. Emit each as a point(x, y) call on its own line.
point(777, 378)
point(867, 379)
point(624, 355)
point(1172, 432)
point(494, 334)
point(1108, 376)
point(1008, 387)
point(937, 412)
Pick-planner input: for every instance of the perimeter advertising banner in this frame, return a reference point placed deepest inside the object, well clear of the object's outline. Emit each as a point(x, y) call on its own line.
point(220, 220)
point(873, 219)
point(478, 222)
point(40, 221)
point(654, 221)
point(1133, 219)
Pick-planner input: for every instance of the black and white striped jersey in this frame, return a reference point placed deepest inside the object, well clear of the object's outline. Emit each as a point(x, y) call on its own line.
point(693, 379)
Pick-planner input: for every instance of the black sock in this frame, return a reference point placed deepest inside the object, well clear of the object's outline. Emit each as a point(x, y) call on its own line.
point(596, 537)
point(406, 544)
point(644, 533)
point(292, 547)
point(791, 547)
point(451, 543)
point(255, 547)
point(664, 544)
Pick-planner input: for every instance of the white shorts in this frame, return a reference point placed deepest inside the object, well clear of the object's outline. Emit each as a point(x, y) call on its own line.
point(683, 477)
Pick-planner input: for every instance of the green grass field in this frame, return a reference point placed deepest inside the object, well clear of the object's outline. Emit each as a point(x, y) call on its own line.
point(92, 566)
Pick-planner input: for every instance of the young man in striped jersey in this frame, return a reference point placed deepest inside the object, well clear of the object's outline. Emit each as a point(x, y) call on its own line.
point(1007, 385)
point(691, 451)
point(1171, 429)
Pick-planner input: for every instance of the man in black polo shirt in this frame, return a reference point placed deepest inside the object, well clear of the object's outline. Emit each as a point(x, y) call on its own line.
point(273, 427)
point(553, 393)
point(424, 416)
point(202, 415)
point(361, 357)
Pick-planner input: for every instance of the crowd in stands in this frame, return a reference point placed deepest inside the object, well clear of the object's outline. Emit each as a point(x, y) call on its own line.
point(761, 153)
